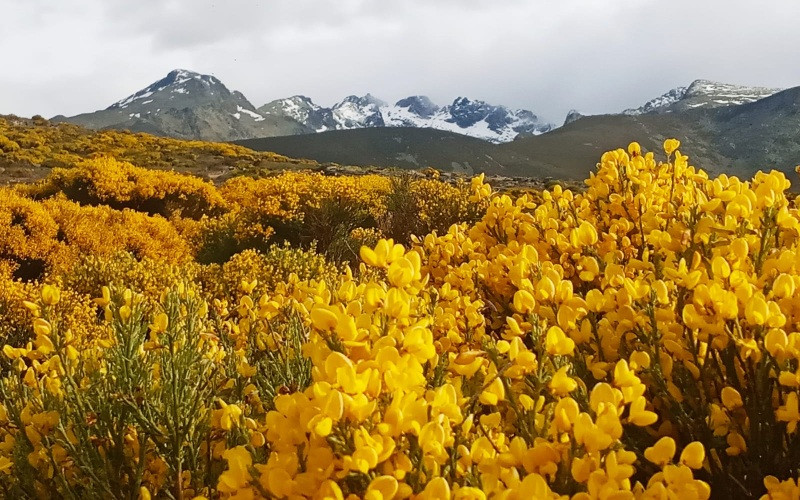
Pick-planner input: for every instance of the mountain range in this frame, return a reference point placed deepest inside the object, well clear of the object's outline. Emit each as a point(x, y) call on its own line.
point(737, 139)
point(190, 105)
point(725, 128)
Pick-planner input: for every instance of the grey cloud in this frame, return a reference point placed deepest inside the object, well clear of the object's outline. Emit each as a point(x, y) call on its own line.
point(547, 56)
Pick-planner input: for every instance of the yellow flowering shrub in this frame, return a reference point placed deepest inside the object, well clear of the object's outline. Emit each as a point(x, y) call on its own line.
point(419, 206)
point(301, 207)
point(29, 237)
point(48, 236)
point(638, 339)
point(74, 312)
point(290, 195)
point(145, 275)
point(251, 271)
point(121, 185)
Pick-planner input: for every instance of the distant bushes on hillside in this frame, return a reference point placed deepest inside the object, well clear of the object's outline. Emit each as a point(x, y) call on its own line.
point(40, 144)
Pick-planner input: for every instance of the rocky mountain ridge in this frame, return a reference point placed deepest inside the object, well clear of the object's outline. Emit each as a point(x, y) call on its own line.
point(468, 117)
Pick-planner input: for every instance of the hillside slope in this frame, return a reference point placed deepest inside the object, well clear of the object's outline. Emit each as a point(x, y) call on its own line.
point(403, 147)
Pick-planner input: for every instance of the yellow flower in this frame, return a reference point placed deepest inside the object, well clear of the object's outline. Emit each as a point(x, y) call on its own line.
point(731, 398)
point(323, 318)
point(693, 455)
point(566, 411)
point(382, 487)
point(226, 417)
point(639, 416)
point(661, 452)
point(50, 295)
point(736, 444)
point(789, 412)
point(557, 343)
point(757, 311)
point(670, 145)
point(237, 476)
point(160, 323)
point(436, 488)
point(494, 392)
point(105, 299)
point(783, 286)
point(524, 302)
point(402, 272)
point(562, 384)
point(776, 342)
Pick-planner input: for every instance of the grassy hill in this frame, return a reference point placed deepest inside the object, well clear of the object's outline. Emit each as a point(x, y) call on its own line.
point(573, 150)
point(386, 147)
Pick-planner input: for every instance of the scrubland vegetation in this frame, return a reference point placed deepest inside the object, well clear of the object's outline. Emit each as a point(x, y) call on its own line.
point(302, 335)
point(30, 147)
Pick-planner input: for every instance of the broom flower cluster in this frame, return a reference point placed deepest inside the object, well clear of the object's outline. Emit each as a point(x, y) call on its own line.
point(636, 340)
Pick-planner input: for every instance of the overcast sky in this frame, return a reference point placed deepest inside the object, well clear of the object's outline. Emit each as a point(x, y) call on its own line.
point(68, 57)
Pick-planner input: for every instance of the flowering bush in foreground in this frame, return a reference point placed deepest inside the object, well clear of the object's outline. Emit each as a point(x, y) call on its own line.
point(638, 340)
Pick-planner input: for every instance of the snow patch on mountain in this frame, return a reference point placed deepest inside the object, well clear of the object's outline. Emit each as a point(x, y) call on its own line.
point(572, 115)
point(661, 102)
point(252, 114)
point(474, 118)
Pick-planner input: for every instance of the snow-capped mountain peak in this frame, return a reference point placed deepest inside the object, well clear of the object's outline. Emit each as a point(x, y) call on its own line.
point(419, 105)
point(702, 94)
point(466, 113)
point(367, 100)
point(300, 109)
point(177, 81)
point(497, 123)
point(184, 104)
point(358, 112)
